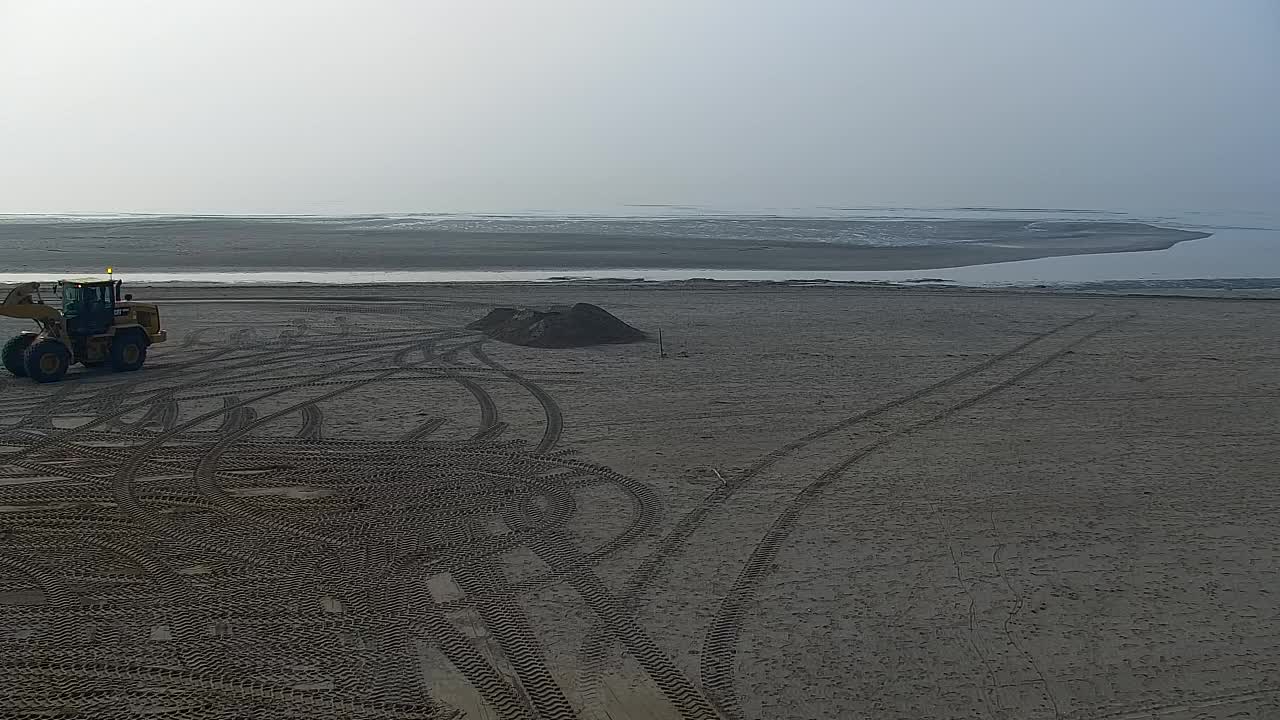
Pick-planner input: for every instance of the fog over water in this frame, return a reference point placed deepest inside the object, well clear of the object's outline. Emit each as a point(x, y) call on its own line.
point(721, 115)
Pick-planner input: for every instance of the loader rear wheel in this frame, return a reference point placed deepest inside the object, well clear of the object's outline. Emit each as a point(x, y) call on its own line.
point(47, 361)
point(15, 353)
point(128, 352)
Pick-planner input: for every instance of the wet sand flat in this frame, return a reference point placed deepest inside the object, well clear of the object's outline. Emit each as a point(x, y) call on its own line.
point(823, 502)
point(467, 243)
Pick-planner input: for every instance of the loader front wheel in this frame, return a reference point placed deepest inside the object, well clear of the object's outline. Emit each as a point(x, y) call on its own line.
point(47, 361)
point(128, 352)
point(15, 353)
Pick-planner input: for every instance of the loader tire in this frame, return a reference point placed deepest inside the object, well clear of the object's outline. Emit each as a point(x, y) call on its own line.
point(15, 353)
point(47, 361)
point(128, 351)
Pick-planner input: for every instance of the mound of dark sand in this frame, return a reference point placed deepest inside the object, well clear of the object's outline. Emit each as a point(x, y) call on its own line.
point(581, 325)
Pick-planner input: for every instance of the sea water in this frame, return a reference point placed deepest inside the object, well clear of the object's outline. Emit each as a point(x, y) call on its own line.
point(1241, 244)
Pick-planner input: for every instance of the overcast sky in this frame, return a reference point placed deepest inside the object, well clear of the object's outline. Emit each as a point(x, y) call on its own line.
point(374, 105)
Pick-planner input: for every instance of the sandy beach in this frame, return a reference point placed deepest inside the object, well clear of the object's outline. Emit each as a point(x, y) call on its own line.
point(822, 502)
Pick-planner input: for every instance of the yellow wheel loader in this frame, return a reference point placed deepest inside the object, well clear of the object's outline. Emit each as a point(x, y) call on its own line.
point(94, 327)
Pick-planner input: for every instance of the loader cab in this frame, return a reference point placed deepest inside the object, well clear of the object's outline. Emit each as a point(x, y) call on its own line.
point(89, 306)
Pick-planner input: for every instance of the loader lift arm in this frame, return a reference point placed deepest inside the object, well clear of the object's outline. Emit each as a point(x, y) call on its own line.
point(23, 302)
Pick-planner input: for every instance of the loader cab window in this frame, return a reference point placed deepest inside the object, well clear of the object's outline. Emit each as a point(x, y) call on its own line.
point(89, 309)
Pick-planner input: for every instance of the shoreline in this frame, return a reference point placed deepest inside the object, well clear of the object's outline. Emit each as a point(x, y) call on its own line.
point(1260, 289)
point(1243, 289)
point(567, 246)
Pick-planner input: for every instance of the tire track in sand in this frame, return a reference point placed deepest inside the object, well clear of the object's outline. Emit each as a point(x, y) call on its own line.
point(492, 687)
point(312, 422)
point(572, 566)
point(592, 652)
point(206, 468)
point(125, 475)
point(551, 409)
point(719, 647)
point(509, 626)
point(488, 408)
point(255, 360)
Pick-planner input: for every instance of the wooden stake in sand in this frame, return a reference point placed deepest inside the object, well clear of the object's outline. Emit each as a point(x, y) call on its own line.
point(661, 351)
